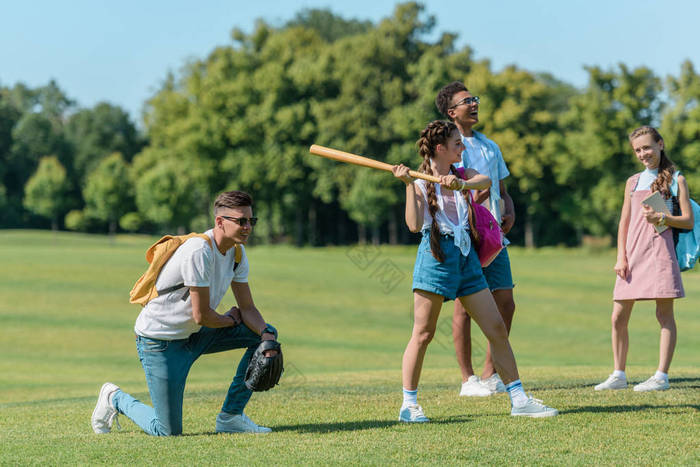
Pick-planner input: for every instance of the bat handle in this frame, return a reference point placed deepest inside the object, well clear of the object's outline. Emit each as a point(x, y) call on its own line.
point(429, 178)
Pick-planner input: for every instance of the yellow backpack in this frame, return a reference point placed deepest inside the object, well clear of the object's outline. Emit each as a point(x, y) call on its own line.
point(157, 255)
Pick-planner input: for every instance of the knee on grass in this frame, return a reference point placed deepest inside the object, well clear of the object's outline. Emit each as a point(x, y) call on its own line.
point(160, 429)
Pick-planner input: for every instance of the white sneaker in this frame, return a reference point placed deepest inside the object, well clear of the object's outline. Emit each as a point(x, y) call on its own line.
point(652, 384)
point(473, 387)
point(494, 384)
point(104, 415)
point(613, 382)
point(229, 423)
point(412, 413)
point(533, 408)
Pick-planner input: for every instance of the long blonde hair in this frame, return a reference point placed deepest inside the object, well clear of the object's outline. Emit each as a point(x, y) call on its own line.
point(438, 132)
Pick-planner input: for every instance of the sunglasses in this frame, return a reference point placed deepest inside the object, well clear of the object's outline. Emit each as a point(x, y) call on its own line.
point(242, 221)
point(467, 101)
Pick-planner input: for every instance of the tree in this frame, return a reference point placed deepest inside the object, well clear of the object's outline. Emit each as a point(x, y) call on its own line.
point(329, 26)
point(45, 191)
point(680, 126)
point(244, 116)
point(9, 115)
point(520, 111)
point(109, 191)
point(34, 118)
point(53, 102)
point(131, 221)
point(596, 158)
point(33, 136)
point(3, 196)
point(96, 133)
point(173, 191)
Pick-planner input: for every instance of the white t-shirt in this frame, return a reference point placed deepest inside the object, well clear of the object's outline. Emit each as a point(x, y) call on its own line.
point(195, 264)
point(646, 179)
point(644, 183)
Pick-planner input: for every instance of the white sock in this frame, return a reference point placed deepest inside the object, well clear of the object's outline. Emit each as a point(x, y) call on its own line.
point(517, 394)
point(660, 375)
point(410, 397)
point(620, 374)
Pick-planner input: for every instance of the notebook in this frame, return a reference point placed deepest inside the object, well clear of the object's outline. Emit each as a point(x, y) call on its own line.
point(657, 203)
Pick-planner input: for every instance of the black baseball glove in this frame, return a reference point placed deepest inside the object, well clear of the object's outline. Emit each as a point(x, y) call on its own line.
point(263, 372)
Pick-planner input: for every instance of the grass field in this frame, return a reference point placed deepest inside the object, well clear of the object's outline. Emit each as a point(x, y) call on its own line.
point(344, 316)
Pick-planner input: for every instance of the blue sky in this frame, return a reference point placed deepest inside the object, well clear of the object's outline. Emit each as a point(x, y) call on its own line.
point(121, 51)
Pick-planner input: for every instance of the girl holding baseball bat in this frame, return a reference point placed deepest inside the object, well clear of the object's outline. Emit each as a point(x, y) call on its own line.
point(647, 266)
point(447, 267)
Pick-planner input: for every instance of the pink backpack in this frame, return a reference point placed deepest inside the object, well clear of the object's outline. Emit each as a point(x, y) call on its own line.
point(491, 240)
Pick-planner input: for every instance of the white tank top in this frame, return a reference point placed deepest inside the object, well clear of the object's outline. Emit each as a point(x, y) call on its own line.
point(460, 229)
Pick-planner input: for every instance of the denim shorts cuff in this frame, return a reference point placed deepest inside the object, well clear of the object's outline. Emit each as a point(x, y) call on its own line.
point(472, 290)
point(433, 289)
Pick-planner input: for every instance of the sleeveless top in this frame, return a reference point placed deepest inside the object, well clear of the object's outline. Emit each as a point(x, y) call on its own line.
point(460, 229)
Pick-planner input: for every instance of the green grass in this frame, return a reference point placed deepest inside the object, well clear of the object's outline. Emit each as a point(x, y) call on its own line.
point(67, 328)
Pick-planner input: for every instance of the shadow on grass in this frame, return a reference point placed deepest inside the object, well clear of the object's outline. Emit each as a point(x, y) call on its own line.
point(31, 403)
point(347, 426)
point(626, 408)
point(359, 425)
point(65, 400)
point(688, 383)
point(676, 383)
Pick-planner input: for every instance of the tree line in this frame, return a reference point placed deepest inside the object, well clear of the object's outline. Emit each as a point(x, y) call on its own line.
point(244, 117)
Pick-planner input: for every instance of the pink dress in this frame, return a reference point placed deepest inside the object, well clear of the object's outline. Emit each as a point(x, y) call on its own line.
point(653, 267)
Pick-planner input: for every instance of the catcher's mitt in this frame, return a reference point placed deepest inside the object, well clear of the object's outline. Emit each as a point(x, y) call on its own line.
point(263, 372)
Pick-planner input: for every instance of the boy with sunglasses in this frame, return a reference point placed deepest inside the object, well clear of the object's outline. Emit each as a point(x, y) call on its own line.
point(456, 102)
point(177, 327)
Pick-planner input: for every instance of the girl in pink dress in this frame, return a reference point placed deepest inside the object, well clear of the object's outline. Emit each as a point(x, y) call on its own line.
point(647, 268)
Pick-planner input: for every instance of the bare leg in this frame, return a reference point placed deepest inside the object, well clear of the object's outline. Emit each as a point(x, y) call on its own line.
point(506, 307)
point(482, 308)
point(462, 338)
point(667, 341)
point(426, 309)
point(622, 309)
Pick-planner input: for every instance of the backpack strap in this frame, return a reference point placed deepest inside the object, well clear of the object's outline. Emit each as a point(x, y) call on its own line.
point(674, 183)
point(175, 287)
point(167, 290)
point(238, 255)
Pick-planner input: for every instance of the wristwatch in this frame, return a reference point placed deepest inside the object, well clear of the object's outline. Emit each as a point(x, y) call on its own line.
point(267, 329)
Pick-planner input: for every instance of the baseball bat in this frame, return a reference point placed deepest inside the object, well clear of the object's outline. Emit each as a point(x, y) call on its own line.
point(363, 161)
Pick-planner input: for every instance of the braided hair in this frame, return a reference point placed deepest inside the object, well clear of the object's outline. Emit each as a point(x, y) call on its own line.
point(663, 180)
point(438, 132)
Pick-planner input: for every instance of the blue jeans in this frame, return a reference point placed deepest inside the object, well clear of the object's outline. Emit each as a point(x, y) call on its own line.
point(167, 364)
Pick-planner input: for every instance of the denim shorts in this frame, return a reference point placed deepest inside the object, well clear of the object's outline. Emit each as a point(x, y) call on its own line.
point(497, 274)
point(457, 276)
